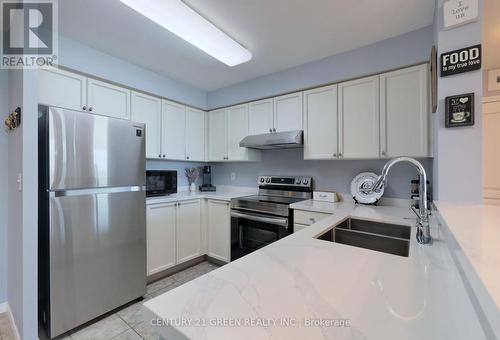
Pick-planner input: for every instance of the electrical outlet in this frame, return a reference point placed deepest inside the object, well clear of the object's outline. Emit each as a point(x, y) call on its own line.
point(233, 176)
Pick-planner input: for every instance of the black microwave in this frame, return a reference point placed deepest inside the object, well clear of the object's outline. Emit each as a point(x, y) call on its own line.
point(161, 182)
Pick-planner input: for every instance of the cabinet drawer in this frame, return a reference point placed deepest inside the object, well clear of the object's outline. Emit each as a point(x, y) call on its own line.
point(308, 217)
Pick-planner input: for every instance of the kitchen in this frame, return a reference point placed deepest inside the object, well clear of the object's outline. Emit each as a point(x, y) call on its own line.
point(160, 186)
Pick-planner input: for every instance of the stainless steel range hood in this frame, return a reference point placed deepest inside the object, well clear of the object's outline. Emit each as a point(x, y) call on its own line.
point(277, 140)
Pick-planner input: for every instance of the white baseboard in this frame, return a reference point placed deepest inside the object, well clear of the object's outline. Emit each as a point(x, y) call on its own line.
point(4, 308)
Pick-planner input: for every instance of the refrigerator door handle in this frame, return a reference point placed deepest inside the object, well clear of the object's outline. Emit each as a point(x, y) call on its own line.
point(87, 191)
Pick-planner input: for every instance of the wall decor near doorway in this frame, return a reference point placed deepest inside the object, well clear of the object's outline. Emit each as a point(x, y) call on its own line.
point(460, 110)
point(462, 60)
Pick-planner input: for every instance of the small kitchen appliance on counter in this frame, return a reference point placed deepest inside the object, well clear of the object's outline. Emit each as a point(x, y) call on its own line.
point(259, 220)
point(207, 179)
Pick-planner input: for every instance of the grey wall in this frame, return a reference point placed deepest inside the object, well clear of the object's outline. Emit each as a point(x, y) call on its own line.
point(15, 235)
point(327, 175)
point(4, 108)
point(406, 49)
point(86, 59)
point(458, 150)
point(22, 205)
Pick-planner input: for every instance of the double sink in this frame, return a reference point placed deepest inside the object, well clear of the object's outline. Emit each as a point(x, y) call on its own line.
point(384, 237)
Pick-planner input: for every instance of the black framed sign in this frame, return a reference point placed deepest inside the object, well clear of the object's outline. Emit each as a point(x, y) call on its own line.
point(460, 110)
point(460, 61)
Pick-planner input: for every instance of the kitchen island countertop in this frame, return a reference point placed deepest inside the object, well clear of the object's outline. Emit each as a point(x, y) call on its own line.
point(321, 289)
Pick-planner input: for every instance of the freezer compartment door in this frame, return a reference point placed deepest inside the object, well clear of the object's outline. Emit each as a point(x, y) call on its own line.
point(87, 150)
point(97, 255)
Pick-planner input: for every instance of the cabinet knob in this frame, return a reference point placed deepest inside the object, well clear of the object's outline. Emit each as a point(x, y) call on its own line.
point(163, 156)
point(270, 130)
point(335, 155)
point(90, 108)
point(274, 130)
point(384, 153)
point(340, 155)
point(312, 219)
point(159, 156)
point(84, 108)
point(187, 157)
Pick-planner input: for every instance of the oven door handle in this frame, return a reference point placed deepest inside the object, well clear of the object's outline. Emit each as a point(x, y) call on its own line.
point(282, 222)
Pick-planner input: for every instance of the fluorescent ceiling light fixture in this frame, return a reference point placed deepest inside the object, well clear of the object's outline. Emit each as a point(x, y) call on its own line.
point(180, 19)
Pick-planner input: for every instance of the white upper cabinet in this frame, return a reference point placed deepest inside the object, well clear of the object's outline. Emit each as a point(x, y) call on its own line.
point(237, 122)
point(188, 230)
point(288, 112)
point(173, 137)
point(60, 88)
point(147, 109)
point(217, 135)
point(358, 106)
point(404, 112)
point(195, 134)
point(320, 123)
point(108, 99)
point(261, 116)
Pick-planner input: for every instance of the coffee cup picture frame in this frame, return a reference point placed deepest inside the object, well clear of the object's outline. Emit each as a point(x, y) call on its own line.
point(459, 110)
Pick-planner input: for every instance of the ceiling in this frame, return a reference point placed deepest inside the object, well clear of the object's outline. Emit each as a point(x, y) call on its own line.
point(279, 33)
point(491, 38)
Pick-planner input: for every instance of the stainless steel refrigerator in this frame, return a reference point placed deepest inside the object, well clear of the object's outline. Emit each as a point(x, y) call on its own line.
point(92, 224)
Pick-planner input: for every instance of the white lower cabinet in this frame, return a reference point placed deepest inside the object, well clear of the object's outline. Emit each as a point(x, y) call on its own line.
point(219, 230)
point(188, 230)
point(161, 220)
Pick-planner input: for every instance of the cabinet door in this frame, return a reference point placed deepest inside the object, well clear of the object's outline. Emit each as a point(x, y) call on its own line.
point(404, 112)
point(60, 88)
point(147, 109)
point(219, 229)
point(188, 230)
point(320, 123)
point(173, 132)
point(195, 134)
point(160, 225)
point(288, 112)
point(358, 105)
point(217, 130)
point(237, 129)
point(108, 99)
point(260, 117)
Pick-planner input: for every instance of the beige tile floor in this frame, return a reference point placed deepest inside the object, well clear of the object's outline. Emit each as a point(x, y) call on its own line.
point(6, 332)
point(127, 323)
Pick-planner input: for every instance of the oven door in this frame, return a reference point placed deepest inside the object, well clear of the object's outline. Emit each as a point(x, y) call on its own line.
point(251, 231)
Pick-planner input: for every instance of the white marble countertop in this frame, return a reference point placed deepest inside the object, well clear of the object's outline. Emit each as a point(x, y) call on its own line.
point(476, 228)
point(301, 279)
point(223, 195)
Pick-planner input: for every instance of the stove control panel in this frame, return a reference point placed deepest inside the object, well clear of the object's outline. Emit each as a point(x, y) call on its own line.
point(304, 182)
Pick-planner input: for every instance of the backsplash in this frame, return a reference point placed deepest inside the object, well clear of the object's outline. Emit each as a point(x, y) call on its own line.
point(327, 174)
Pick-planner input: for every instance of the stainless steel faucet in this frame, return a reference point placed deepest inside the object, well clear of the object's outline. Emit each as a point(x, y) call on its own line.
point(423, 231)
